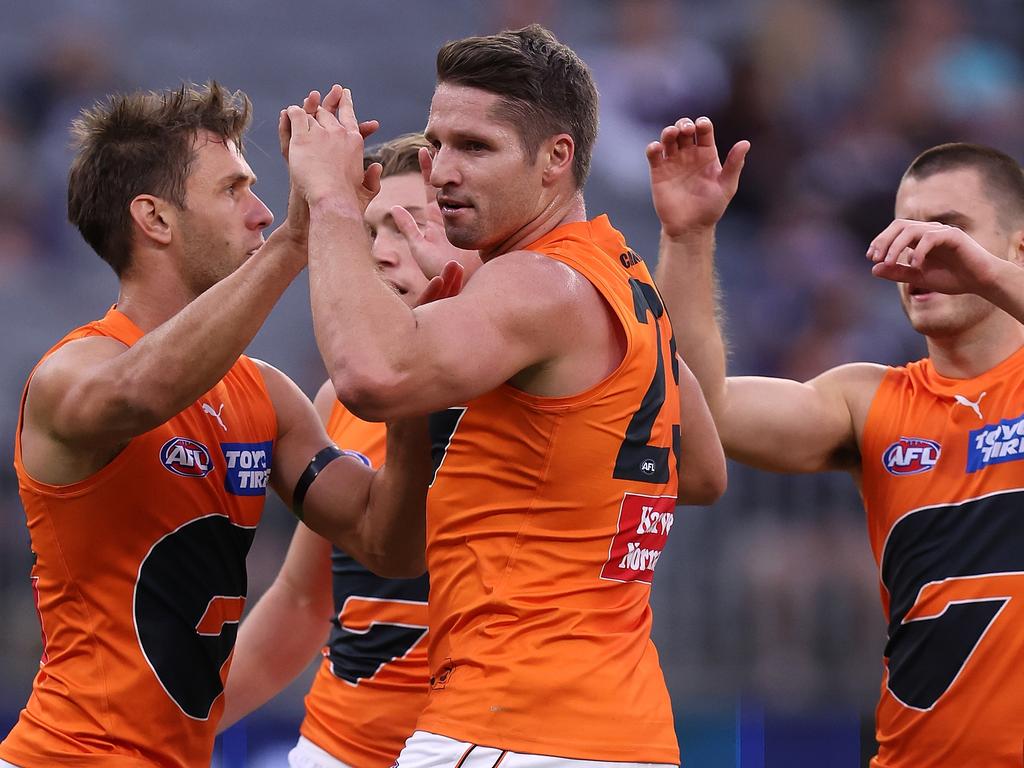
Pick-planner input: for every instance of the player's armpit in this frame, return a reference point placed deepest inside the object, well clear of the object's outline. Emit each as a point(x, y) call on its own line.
point(702, 471)
point(378, 517)
point(788, 426)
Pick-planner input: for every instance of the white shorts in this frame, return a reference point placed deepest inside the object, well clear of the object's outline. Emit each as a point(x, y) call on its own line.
point(428, 750)
point(306, 754)
point(5, 764)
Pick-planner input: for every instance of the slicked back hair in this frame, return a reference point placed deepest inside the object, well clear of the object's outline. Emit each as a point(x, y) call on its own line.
point(545, 88)
point(398, 156)
point(1001, 175)
point(142, 143)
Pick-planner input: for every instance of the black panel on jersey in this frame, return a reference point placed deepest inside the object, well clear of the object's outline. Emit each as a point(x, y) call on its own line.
point(358, 655)
point(637, 460)
point(183, 573)
point(976, 538)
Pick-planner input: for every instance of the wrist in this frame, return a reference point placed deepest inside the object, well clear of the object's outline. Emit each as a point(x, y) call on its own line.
point(339, 205)
point(1003, 278)
point(698, 234)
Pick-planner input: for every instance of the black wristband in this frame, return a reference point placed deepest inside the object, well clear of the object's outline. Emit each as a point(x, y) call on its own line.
point(315, 466)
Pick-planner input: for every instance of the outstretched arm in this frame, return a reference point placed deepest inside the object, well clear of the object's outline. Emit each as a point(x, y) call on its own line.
point(942, 258)
point(774, 424)
point(691, 190)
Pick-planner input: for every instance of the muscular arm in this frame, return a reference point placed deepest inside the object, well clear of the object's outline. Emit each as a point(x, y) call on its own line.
point(88, 399)
point(774, 424)
point(520, 311)
point(286, 628)
point(377, 516)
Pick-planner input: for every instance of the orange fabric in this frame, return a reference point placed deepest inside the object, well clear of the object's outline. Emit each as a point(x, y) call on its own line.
point(541, 560)
point(943, 486)
point(366, 722)
point(140, 576)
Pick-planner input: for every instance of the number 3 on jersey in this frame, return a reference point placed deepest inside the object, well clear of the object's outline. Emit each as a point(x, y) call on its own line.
point(637, 459)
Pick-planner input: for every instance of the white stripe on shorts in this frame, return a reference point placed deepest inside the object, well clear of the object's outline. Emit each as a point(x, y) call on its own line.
point(429, 750)
point(306, 754)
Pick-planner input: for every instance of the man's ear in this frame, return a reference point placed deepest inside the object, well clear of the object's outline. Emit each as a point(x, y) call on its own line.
point(153, 217)
point(1017, 248)
point(558, 152)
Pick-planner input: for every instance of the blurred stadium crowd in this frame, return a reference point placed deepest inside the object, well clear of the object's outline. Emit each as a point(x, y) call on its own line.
point(771, 594)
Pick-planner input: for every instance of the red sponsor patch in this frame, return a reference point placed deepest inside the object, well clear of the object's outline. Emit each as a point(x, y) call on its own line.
point(644, 525)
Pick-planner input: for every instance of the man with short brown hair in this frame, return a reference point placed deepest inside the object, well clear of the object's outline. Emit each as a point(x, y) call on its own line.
point(935, 446)
point(557, 489)
point(147, 440)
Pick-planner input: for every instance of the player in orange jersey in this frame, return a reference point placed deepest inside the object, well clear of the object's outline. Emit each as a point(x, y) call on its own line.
point(935, 446)
point(146, 442)
point(372, 683)
point(557, 491)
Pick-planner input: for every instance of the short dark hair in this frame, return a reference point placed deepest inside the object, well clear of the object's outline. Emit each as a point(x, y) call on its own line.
point(142, 143)
point(398, 156)
point(544, 86)
point(1001, 175)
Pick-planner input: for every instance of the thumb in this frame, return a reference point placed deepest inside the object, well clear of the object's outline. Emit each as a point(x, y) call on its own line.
point(734, 162)
point(371, 178)
point(426, 165)
point(298, 120)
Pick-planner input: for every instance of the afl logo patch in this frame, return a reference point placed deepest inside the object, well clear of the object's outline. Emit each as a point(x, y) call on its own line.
point(186, 457)
point(911, 456)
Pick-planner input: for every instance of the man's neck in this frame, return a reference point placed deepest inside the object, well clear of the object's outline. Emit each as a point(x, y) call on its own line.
point(565, 211)
point(978, 349)
point(152, 300)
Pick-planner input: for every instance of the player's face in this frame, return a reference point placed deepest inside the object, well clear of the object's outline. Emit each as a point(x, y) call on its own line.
point(223, 220)
point(390, 250)
point(957, 198)
point(489, 189)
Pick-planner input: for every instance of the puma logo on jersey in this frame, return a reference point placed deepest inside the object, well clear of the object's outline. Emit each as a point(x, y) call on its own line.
point(911, 456)
point(248, 467)
point(996, 444)
point(643, 527)
point(207, 408)
point(186, 457)
point(974, 406)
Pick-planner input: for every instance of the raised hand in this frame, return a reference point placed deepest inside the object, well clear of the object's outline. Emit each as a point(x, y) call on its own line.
point(932, 256)
point(325, 151)
point(298, 210)
point(690, 187)
point(333, 102)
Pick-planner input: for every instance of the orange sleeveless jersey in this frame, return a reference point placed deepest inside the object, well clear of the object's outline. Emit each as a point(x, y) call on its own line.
point(140, 581)
point(943, 485)
point(544, 524)
point(372, 684)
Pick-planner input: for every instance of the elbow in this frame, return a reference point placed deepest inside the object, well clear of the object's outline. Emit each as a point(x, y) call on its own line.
point(394, 566)
point(704, 488)
point(371, 396)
